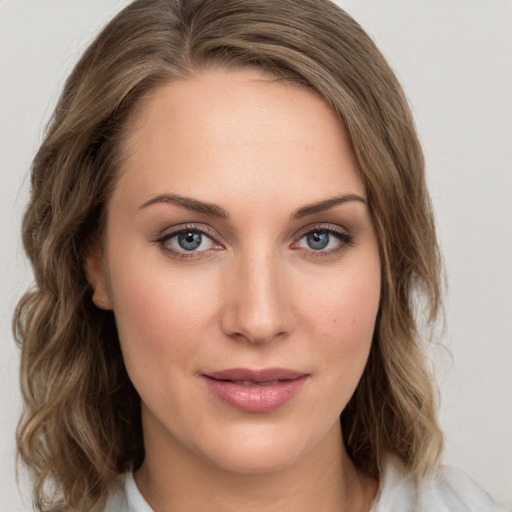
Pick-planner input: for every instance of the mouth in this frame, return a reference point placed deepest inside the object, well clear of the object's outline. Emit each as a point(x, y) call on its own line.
point(261, 390)
point(249, 383)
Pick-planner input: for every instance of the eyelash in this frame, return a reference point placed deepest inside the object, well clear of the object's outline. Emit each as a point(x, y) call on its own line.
point(345, 240)
point(163, 240)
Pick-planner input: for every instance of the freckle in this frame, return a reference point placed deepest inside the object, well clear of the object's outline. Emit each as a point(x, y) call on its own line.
point(335, 320)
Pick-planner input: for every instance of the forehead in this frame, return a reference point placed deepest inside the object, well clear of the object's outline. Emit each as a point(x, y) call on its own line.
point(240, 131)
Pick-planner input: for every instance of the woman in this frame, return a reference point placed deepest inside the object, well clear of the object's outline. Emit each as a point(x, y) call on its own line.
point(199, 339)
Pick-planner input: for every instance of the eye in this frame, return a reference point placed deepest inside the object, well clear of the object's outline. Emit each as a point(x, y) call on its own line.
point(190, 240)
point(323, 240)
point(187, 240)
point(318, 240)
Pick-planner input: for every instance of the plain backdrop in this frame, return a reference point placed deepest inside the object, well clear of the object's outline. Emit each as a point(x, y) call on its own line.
point(454, 59)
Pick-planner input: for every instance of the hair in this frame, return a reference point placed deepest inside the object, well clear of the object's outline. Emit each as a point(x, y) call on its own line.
point(81, 424)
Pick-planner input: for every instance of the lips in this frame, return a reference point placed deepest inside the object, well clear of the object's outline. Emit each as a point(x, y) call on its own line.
point(249, 390)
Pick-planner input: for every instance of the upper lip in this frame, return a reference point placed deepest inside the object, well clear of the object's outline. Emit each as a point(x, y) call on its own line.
point(255, 375)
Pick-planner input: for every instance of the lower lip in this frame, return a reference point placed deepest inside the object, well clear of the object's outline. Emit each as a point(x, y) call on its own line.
point(255, 398)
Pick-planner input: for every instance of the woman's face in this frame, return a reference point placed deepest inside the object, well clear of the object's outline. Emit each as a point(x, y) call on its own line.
point(243, 270)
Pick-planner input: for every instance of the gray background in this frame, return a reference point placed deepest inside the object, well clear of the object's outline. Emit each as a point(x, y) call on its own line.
point(454, 59)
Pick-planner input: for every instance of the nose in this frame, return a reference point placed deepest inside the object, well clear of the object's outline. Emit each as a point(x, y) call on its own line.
point(258, 304)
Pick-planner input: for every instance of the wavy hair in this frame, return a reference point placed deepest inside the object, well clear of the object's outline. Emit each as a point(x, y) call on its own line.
point(81, 423)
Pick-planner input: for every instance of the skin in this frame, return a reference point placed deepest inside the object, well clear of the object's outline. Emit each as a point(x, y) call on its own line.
point(255, 294)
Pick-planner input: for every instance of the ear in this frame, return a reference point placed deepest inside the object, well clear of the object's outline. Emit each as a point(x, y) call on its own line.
point(94, 267)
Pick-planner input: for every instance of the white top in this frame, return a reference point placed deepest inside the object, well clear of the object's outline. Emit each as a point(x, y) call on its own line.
point(443, 490)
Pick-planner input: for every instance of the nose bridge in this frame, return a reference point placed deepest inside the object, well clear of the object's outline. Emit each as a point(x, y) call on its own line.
point(258, 305)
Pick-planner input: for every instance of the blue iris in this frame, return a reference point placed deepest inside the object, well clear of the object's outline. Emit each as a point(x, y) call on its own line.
point(190, 240)
point(318, 240)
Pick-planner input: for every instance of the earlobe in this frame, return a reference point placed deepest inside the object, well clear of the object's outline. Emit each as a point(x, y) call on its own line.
point(94, 268)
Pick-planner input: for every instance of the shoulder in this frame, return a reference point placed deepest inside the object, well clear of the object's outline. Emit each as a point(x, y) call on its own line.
point(443, 490)
point(126, 497)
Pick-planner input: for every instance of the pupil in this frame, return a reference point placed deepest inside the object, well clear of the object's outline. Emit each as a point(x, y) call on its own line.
point(190, 240)
point(318, 240)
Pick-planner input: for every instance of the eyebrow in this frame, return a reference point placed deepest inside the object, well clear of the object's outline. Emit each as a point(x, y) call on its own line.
point(215, 210)
point(325, 205)
point(194, 205)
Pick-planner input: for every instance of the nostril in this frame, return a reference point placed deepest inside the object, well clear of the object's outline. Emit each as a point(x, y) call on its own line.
point(258, 306)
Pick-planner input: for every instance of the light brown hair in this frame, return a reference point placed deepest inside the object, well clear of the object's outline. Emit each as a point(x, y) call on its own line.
point(81, 423)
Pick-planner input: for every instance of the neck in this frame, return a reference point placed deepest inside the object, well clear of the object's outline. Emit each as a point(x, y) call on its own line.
point(325, 479)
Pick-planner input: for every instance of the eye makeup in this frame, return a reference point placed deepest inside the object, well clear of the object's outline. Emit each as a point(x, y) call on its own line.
point(188, 241)
point(323, 241)
point(198, 240)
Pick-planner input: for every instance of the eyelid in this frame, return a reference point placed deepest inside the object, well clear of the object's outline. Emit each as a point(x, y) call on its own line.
point(345, 237)
point(333, 228)
point(179, 228)
point(172, 231)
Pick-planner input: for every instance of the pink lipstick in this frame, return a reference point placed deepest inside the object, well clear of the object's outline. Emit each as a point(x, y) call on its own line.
point(251, 390)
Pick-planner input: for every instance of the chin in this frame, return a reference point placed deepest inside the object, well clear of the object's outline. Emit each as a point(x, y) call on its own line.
point(260, 451)
point(253, 460)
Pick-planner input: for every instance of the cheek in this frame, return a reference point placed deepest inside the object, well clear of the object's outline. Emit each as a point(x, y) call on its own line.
point(347, 307)
point(158, 314)
point(342, 321)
